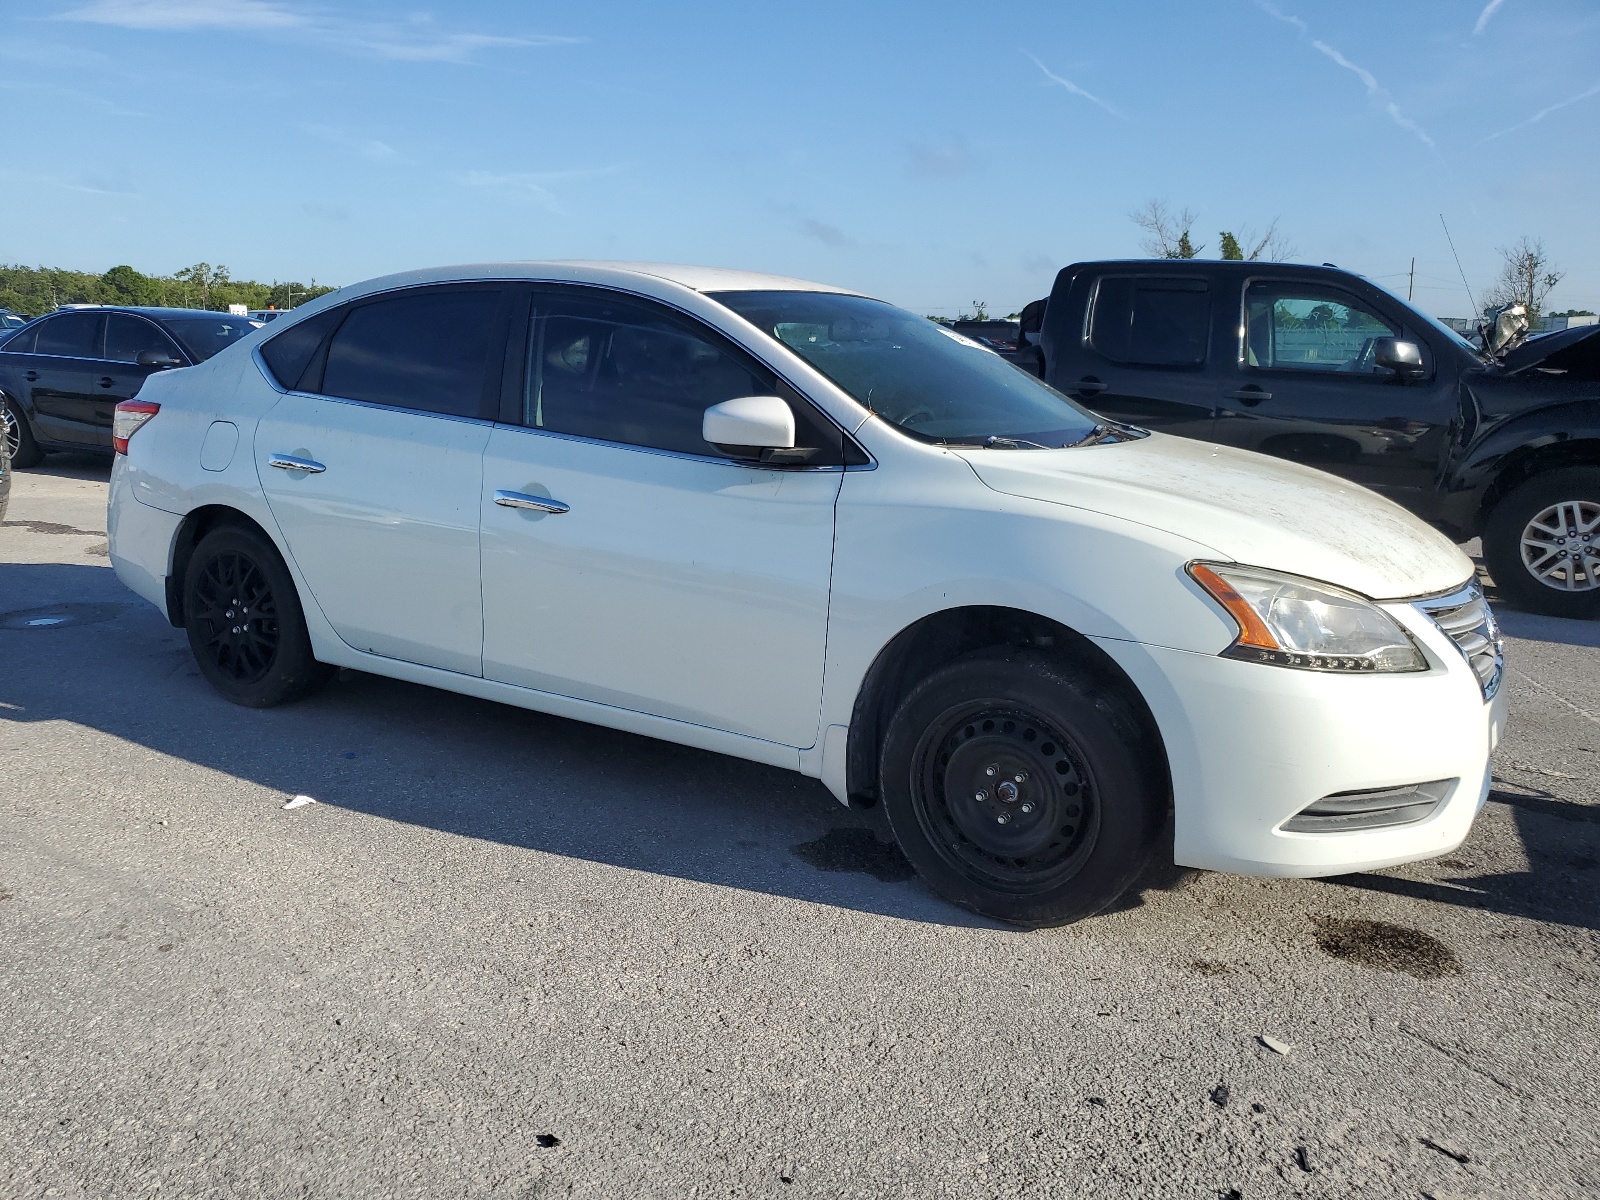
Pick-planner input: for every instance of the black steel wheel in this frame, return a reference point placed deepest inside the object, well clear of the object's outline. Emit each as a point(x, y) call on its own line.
point(245, 625)
point(14, 428)
point(1023, 788)
point(1542, 543)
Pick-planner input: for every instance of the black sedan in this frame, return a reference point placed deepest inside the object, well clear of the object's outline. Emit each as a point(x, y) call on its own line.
point(61, 376)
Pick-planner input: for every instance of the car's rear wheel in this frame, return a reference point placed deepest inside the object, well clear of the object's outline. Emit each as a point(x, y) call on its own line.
point(1022, 789)
point(1542, 543)
point(25, 451)
point(245, 625)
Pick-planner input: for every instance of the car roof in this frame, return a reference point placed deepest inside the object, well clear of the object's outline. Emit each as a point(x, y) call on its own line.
point(148, 311)
point(646, 274)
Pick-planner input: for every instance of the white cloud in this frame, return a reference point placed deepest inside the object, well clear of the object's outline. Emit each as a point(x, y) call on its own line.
point(175, 15)
point(416, 40)
point(1377, 92)
point(367, 147)
point(1273, 11)
point(1488, 11)
point(1545, 112)
point(1075, 89)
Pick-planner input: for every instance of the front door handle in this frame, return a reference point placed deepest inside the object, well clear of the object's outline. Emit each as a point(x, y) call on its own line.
point(1088, 386)
point(507, 499)
point(106, 381)
point(1250, 395)
point(31, 376)
point(288, 462)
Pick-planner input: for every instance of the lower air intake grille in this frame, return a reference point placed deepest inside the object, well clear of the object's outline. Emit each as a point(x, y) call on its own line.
point(1345, 811)
point(1465, 618)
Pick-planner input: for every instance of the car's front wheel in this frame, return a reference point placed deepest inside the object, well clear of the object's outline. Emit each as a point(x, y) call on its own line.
point(1022, 789)
point(244, 621)
point(1542, 543)
point(25, 451)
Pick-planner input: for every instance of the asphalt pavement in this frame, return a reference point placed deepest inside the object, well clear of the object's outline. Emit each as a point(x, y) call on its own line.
point(508, 955)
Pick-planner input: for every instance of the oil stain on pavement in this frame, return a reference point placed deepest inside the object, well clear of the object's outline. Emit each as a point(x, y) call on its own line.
point(851, 849)
point(1386, 947)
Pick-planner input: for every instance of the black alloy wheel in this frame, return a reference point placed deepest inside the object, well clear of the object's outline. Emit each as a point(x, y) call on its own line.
point(25, 451)
point(1023, 788)
point(245, 625)
point(1542, 544)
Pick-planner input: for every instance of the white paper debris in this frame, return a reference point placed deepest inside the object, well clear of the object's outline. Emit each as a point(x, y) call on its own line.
point(1273, 1044)
point(299, 802)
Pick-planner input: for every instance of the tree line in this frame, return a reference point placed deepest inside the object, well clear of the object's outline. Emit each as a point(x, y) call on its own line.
point(38, 290)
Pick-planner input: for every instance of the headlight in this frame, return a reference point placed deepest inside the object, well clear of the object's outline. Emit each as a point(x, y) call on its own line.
point(1294, 622)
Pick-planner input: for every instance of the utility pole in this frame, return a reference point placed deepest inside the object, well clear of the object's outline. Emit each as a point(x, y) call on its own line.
point(1412, 286)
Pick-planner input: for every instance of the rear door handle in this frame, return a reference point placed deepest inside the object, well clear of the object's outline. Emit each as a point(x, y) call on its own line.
point(1088, 386)
point(31, 376)
point(1250, 395)
point(507, 499)
point(106, 381)
point(288, 462)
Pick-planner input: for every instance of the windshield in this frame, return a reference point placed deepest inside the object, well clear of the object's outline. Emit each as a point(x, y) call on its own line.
point(1433, 323)
point(927, 380)
point(204, 336)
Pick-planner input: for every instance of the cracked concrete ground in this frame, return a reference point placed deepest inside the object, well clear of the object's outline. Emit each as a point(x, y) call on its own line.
point(507, 955)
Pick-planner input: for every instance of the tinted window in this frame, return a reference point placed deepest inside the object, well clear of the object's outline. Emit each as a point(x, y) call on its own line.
point(127, 337)
point(429, 350)
point(289, 353)
point(21, 343)
point(928, 380)
point(1151, 322)
point(619, 371)
point(71, 335)
point(204, 336)
point(1310, 329)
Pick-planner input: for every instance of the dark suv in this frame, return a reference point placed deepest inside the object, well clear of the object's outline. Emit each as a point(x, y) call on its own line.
point(1326, 368)
point(62, 375)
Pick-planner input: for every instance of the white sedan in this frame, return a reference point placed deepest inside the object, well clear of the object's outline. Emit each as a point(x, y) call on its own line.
point(789, 522)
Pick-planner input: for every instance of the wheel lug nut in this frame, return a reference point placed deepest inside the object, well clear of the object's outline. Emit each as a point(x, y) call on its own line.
point(983, 794)
point(1022, 778)
point(1027, 808)
point(1004, 818)
point(991, 770)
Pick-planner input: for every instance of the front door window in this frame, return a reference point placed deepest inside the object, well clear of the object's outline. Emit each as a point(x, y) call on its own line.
point(1311, 329)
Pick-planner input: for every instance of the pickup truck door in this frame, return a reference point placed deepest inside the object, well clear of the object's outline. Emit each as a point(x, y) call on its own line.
point(1140, 351)
point(1303, 386)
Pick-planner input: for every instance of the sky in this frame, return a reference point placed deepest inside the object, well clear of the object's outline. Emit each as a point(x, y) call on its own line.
point(928, 153)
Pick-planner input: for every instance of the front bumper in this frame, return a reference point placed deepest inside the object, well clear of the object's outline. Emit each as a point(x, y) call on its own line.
point(1251, 745)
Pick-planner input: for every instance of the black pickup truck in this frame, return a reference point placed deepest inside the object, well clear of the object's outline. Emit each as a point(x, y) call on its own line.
point(1326, 368)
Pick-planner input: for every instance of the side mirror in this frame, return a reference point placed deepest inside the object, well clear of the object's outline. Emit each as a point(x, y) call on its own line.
point(159, 359)
point(1403, 358)
point(749, 425)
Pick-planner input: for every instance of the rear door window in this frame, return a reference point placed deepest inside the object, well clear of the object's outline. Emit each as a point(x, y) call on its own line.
point(72, 335)
point(1150, 321)
point(127, 337)
point(433, 349)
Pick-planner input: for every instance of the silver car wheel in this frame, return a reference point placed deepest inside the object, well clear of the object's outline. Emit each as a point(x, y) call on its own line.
point(1561, 546)
point(13, 430)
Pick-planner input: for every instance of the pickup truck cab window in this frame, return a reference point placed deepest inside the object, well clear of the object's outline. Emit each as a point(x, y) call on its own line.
point(1299, 328)
point(1150, 321)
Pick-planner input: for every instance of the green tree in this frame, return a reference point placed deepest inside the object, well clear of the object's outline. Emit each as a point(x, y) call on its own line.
point(1231, 250)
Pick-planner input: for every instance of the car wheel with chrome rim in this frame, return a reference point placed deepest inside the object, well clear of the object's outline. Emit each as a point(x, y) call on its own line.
point(25, 451)
point(1542, 543)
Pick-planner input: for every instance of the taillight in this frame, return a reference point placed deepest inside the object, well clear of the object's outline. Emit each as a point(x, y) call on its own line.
point(130, 415)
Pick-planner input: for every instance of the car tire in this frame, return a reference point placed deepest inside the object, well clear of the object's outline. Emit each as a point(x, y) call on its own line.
point(245, 624)
point(25, 450)
point(1022, 788)
point(1551, 514)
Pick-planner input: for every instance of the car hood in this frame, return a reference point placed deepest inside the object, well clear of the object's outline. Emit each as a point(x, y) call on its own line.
point(1246, 507)
point(1571, 343)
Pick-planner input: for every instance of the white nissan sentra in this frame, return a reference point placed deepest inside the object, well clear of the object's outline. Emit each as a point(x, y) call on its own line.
point(788, 522)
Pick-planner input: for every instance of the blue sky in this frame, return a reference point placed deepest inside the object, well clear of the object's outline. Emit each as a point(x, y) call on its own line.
point(929, 153)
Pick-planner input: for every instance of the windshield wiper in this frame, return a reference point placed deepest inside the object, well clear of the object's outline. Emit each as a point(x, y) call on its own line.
point(1103, 432)
point(993, 442)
